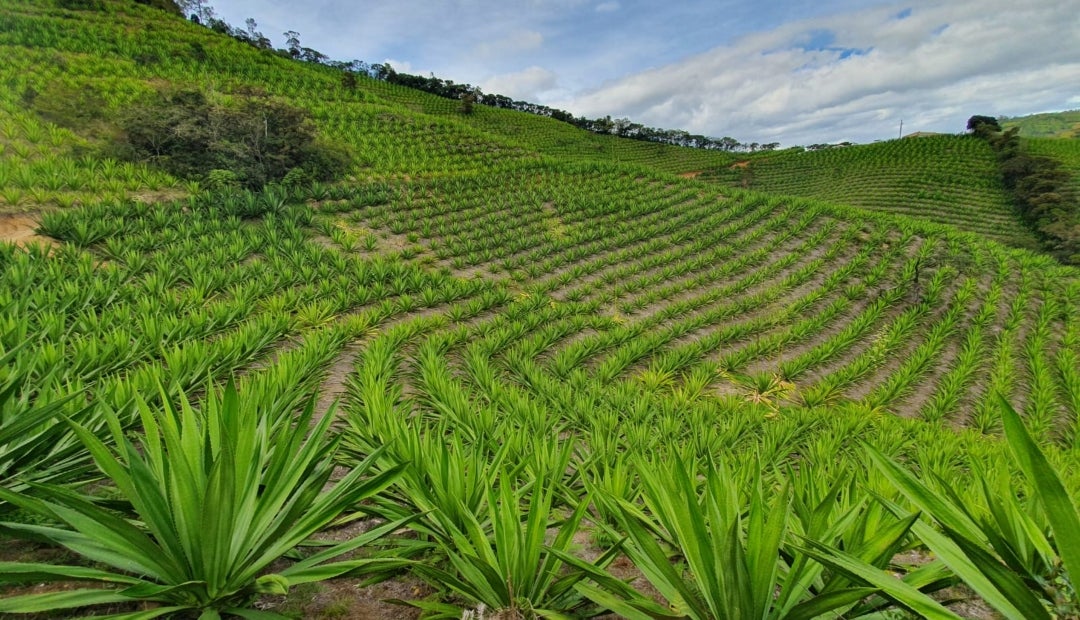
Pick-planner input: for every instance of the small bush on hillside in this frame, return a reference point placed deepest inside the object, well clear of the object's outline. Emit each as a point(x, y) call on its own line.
point(258, 138)
point(222, 180)
point(296, 177)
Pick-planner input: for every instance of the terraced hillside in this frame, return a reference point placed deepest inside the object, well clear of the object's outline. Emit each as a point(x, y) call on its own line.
point(946, 179)
point(556, 373)
point(676, 279)
point(556, 139)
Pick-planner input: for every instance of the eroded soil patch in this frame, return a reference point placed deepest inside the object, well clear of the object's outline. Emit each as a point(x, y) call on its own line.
point(21, 230)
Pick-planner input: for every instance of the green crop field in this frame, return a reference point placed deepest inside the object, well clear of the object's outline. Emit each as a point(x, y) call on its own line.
point(393, 130)
point(1050, 125)
point(510, 369)
point(946, 179)
point(1065, 151)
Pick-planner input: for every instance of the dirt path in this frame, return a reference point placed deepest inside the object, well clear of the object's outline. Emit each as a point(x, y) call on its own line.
point(334, 385)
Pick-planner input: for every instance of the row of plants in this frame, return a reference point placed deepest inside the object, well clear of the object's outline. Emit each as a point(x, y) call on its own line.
point(946, 179)
point(526, 409)
point(664, 268)
point(480, 523)
point(467, 562)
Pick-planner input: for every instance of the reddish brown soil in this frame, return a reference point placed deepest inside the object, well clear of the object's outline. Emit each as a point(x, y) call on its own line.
point(21, 230)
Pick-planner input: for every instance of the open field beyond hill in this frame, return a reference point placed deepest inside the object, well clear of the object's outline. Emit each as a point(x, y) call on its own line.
point(511, 369)
point(1049, 125)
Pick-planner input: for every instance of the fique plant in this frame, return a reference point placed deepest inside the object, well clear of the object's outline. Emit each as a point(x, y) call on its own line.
point(217, 495)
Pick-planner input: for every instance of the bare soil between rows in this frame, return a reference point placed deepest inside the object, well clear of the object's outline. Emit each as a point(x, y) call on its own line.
point(21, 230)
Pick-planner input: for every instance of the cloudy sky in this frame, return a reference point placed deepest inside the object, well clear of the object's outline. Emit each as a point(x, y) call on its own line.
point(795, 72)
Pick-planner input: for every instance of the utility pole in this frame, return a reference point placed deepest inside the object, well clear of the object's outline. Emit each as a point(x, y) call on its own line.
point(901, 129)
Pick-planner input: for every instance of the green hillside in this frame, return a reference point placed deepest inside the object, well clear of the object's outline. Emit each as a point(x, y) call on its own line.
point(946, 179)
point(1048, 125)
point(557, 139)
point(1065, 151)
point(91, 65)
point(504, 366)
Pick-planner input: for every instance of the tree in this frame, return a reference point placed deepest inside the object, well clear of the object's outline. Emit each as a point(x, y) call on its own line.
point(292, 42)
point(727, 143)
point(468, 100)
point(259, 139)
point(308, 54)
point(348, 80)
point(254, 37)
point(382, 71)
point(983, 126)
point(1038, 187)
point(199, 10)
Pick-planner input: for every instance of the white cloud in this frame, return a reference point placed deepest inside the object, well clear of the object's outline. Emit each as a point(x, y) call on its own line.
point(933, 68)
point(807, 72)
point(404, 66)
point(526, 85)
point(516, 43)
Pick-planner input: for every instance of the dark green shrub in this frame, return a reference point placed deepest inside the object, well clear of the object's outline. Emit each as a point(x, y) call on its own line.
point(260, 139)
point(296, 177)
point(221, 180)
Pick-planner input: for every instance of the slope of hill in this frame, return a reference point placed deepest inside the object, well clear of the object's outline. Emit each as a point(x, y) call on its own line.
point(528, 328)
point(1065, 151)
point(554, 138)
point(945, 179)
point(80, 66)
point(1048, 125)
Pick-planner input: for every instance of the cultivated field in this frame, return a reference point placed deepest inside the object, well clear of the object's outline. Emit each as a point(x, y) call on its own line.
point(512, 370)
point(1065, 151)
point(946, 179)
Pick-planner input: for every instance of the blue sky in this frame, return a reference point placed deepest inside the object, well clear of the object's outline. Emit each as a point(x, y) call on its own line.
point(788, 71)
